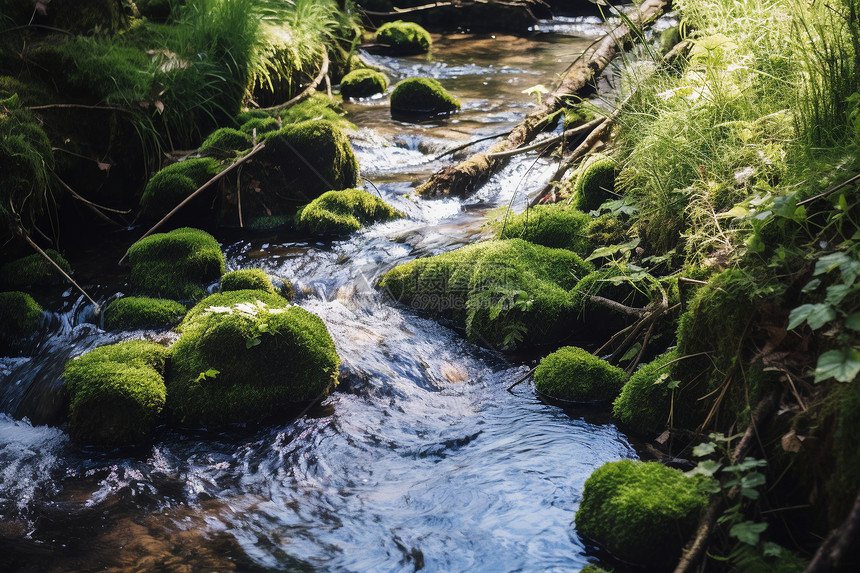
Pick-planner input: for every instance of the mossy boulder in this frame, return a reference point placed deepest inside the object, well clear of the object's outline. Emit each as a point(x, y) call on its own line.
point(173, 184)
point(641, 512)
point(246, 355)
point(33, 271)
point(645, 401)
point(505, 294)
point(422, 96)
point(404, 37)
point(225, 142)
point(343, 212)
point(556, 225)
point(117, 393)
point(575, 375)
point(595, 182)
point(19, 315)
point(86, 16)
point(247, 279)
point(132, 313)
point(176, 264)
point(261, 124)
point(363, 83)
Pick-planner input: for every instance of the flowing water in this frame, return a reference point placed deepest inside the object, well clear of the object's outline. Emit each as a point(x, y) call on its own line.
point(420, 460)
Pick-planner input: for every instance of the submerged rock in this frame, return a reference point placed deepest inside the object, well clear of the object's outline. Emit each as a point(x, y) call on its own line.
point(246, 355)
point(247, 279)
point(34, 271)
point(641, 512)
point(422, 96)
point(343, 212)
point(132, 313)
point(404, 37)
point(19, 315)
point(363, 83)
point(175, 264)
point(575, 375)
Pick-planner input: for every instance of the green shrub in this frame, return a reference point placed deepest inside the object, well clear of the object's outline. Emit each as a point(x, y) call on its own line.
point(173, 184)
point(422, 95)
point(133, 313)
point(34, 271)
point(404, 37)
point(241, 359)
point(504, 293)
point(225, 142)
point(646, 401)
point(247, 279)
point(576, 375)
point(363, 83)
point(641, 512)
point(343, 212)
point(595, 183)
point(117, 393)
point(555, 225)
point(19, 315)
point(175, 264)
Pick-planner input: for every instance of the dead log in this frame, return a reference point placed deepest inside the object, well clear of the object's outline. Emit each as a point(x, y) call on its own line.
point(464, 178)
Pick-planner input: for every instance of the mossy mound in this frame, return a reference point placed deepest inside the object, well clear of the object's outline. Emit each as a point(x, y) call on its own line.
point(422, 96)
point(247, 279)
point(117, 393)
point(19, 315)
point(343, 212)
point(645, 401)
point(33, 271)
point(170, 186)
point(404, 37)
point(315, 108)
point(575, 375)
point(641, 512)
point(504, 293)
point(261, 124)
point(310, 158)
point(593, 569)
point(245, 355)
point(175, 264)
point(555, 225)
point(595, 183)
point(363, 83)
point(133, 313)
point(607, 229)
point(225, 142)
point(269, 223)
point(617, 283)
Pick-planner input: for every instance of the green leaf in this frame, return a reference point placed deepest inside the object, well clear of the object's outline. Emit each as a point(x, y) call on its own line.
point(661, 378)
point(844, 365)
point(211, 373)
point(811, 285)
point(704, 449)
point(752, 480)
point(745, 466)
point(705, 468)
point(816, 315)
point(829, 262)
point(853, 322)
point(749, 493)
point(252, 342)
point(263, 327)
point(747, 532)
point(673, 384)
point(632, 352)
point(771, 549)
point(837, 293)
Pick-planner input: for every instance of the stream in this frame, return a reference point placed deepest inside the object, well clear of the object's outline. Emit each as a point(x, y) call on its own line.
point(420, 460)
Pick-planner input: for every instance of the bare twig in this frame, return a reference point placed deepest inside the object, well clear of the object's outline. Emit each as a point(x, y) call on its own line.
point(830, 191)
point(549, 140)
point(523, 379)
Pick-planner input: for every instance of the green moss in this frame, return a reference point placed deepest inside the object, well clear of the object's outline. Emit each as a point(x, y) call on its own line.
point(315, 108)
point(645, 402)
point(269, 223)
point(132, 313)
point(607, 229)
point(577, 115)
point(225, 142)
point(117, 393)
point(241, 359)
point(404, 37)
point(262, 125)
point(19, 315)
point(618, 283)
point(595, 183)
point(844, 483)
point(593, 569)
point(170, 186)
point(86, 16)
point(422, 95)
point(363, 83)
point(640, 512)
point(34, 271)
point(555, 225)
point(175, 264)
point(343, 212)
point(495, 290)
point(247, 279)
point(576, 375)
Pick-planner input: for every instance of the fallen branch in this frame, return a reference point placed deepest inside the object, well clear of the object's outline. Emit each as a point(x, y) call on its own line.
point(523, 379)
point(838, 544)
point(307, 92)
point(469, 144)
point(830, 191)
point(549, 140)
point(457, 4)
point(96, 208)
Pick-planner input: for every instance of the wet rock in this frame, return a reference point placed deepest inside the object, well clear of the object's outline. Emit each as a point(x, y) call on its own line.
point(422, 96)
point(173, 184)
point(343, 212)
point(575, 375)
point(132, 313)
point(404, 38)
point(363, 83)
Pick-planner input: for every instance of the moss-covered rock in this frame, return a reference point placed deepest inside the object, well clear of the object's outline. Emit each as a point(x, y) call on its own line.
point(343, 212)
point(261, 124)
point(607, 229)
point(404, 37)
point(175, 264)
point(645, 401)
point(245, 355)
point(225, 142)
point(595, 182)
point(247, 279)
point(117, 393)
point(422, 96)
point(363, 83)
point(170, 186)
point(504, 293)
point(575, 375)
point(593, 569)
point(19, 315)
point(555, 225)
point(641, 512)
point(618, 283)
point(33, 271)
point(132, 313)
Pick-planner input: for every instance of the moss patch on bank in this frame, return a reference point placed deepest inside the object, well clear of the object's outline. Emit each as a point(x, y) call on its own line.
point(556, 225)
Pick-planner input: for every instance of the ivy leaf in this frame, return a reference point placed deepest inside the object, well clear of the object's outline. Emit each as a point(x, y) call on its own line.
point(705, 468)
point(811, 285)
point(837, 293)
point(771, 549)
point(829, 262)
point(816, 315)
point(752, 480)
point(252, 342)
point(211, 373)
point(747, 532)
point(853, 322)
point(704, 449)
point(749, 493)
point(844, 365)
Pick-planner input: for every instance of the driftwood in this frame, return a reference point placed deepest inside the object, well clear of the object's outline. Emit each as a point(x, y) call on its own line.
point(467, 176)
